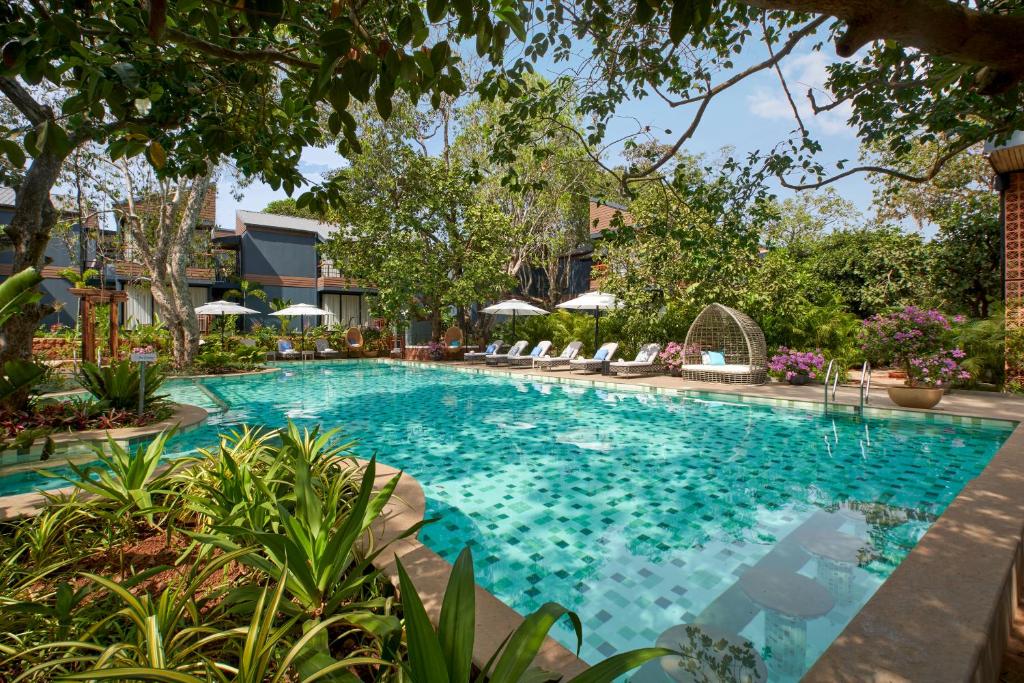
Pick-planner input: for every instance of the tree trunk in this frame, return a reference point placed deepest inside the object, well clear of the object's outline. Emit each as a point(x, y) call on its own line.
point(165, 255)
point(29, 234)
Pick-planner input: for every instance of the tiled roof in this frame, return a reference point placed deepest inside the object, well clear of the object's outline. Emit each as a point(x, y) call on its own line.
point(63, 202)
point(602, 214)
point(6, 196)
point(273, 220)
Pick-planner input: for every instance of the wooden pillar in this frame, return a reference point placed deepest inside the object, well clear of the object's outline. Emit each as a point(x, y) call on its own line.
point(113, 342)
point(88, 330)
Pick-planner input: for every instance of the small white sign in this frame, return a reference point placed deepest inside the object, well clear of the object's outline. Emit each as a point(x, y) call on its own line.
point(143, 357)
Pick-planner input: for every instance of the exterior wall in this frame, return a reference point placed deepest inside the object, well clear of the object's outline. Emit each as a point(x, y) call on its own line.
point(1013, 239)
point(268, 252)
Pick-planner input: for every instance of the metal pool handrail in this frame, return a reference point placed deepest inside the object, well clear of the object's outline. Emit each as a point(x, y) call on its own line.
point(865, 385)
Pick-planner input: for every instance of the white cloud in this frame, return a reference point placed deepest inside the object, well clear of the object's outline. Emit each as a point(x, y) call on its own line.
point(803, 72)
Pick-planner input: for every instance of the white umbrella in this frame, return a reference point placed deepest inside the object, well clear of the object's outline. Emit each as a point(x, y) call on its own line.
point(594, 302)
point(513, 307)
point(223, 308)
point(302, 310)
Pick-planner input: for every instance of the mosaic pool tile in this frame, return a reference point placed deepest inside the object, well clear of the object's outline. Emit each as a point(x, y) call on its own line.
point(640, 510)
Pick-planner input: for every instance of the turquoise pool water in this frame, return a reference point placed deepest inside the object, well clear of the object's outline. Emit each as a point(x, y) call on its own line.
point(640, 512)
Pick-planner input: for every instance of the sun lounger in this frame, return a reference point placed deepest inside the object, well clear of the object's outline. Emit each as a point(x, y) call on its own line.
point(499, 358)
point(561, 360)
point(644, 364)
point(325, 351)
point(603, 355)
point(539, 351)
point(480, 356)
point(286, 350)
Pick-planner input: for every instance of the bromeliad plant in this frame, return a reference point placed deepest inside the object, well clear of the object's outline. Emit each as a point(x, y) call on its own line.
point(117, 385)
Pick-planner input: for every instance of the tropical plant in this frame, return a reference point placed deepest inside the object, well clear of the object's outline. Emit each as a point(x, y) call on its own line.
point(19, 378)
point(79, 280)
point(128, 482)
point(245, 290)
point(984, 343)
point(17, 291)
point(240, 359)
point(117, 384)
point(446, 653)
point(279, 304)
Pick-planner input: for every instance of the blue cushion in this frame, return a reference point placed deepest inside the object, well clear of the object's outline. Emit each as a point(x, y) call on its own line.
point(601, 354)
point(455, 344)
point(716, 358)
point(284, 345)
point(492, 348)
point(536, 351)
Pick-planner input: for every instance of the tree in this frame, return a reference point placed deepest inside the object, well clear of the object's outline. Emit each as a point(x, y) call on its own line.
point(966, 255)
point(287, 207)
point(941, 71)
point(245, 290)
point(160, 220)
point(809, 215)
point(243, 80)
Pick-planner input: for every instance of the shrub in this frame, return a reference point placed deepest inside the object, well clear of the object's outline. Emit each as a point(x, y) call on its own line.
point(909, 333)
point(117, 385)
point(787, 364)
point(674, 355)
point(938, 369)
point(215, 361)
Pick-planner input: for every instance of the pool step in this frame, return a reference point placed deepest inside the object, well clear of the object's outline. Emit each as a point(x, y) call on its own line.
point(212, 394)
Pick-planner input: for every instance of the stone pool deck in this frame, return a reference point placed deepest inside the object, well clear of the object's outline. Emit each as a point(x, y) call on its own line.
point(947, 612)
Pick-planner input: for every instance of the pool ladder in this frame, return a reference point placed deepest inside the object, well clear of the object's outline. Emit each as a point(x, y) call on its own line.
point(865, 384)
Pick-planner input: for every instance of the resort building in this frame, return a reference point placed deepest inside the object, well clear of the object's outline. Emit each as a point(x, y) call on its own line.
point(279, 253)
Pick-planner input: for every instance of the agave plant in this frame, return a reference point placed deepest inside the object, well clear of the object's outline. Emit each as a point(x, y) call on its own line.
point(446, 654)
point(124, 480)
point(117, 385)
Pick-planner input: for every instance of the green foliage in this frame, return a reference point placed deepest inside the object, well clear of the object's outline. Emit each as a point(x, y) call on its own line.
point(287, 207)
point(20, 377)
point(446, 654)
point(984, 342)
point(117, 384)
point(79, 280)
point(279, 304)
point(18, 291)
point(214, 360)
point(126, 481)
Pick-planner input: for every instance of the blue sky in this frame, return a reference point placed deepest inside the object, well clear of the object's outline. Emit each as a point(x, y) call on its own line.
point(753, 115)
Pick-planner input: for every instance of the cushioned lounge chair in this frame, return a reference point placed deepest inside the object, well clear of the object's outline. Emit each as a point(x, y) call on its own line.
point(603, 355)
point(480, 356)
point(561, 360)
point(539, 351)
point(645, 362)
point(729, 345)
point(325, 351)
point(286, 350)
point(499, 358)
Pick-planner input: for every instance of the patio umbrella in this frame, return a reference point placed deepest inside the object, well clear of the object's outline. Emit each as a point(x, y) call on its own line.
point(302, 310)
point(594, 302)
point(223, 308)
point(513, 307)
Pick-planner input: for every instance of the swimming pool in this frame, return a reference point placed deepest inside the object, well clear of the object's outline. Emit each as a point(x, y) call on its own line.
point(638, 511)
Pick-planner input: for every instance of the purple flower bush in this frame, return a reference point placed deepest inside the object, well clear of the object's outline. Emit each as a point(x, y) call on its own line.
point(937, 370)
point(436, 350)
point(788, 364)
point(674, 355)
point(919, 341)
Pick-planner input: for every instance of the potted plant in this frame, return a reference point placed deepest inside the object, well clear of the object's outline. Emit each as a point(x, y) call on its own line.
point(919, 342)
point(796, 367)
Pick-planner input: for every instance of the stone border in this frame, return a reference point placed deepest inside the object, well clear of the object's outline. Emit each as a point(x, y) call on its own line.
point(28, 504)
point(429, 573)
point(264, 371)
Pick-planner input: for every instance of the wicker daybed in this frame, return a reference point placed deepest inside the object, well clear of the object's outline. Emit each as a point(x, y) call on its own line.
point(354, 342)
point(736, 337)
point(454, 343)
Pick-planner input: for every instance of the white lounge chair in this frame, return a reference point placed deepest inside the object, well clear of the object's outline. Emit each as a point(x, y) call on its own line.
point(499, 358)
point(603, 355)
point(643, 364)
point(325, 351)
point(480, 356)
point(539, 351)
point(286, 350)
point(561, 360)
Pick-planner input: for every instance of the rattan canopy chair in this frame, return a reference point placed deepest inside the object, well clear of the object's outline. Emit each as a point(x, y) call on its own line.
point(453, 341)
point(725, 345)
point(354, 341)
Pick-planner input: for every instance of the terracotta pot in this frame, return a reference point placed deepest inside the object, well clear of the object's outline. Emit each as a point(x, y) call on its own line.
point(915, 397)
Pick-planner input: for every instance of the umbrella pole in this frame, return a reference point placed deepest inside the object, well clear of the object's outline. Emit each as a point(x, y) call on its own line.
point(223, 322)
point(513, 323)
point(597, 327)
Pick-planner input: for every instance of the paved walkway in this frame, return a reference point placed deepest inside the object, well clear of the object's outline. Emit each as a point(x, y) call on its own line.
point(986, 404)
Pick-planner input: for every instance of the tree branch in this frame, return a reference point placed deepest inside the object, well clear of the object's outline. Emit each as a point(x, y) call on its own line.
point(936, 27)
point(22, 99)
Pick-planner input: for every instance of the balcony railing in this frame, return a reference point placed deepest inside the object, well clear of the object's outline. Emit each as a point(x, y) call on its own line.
point(327, 269)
